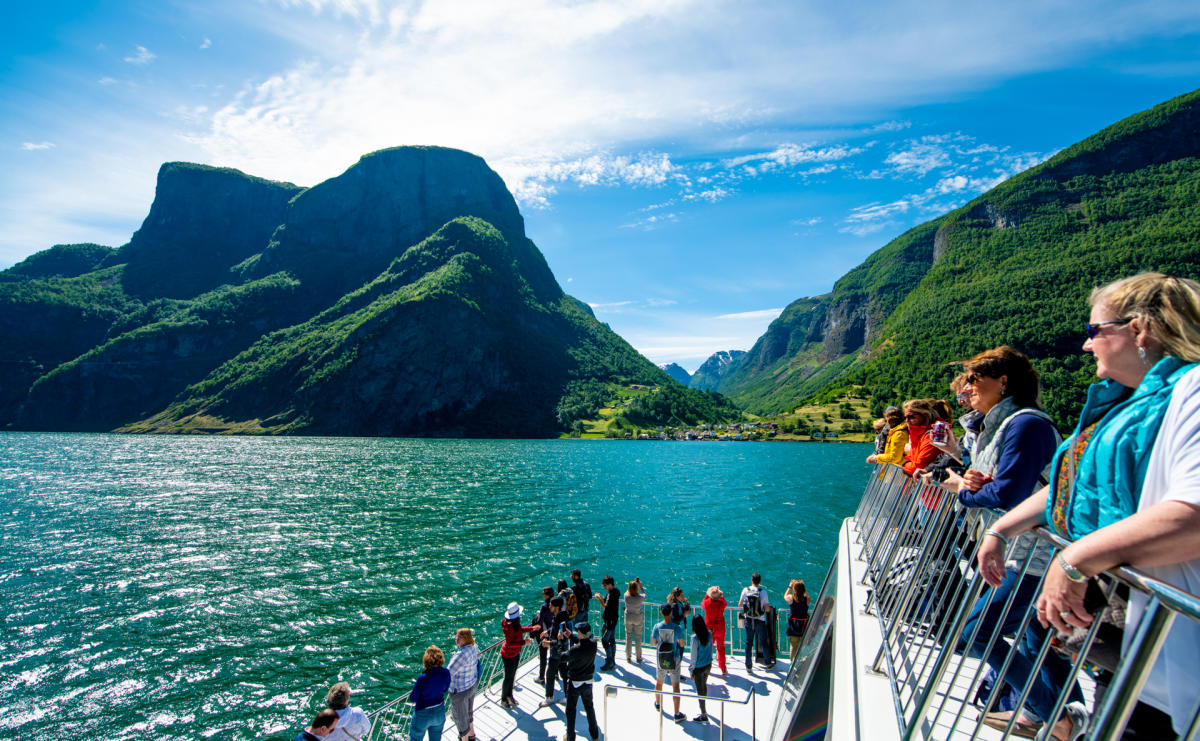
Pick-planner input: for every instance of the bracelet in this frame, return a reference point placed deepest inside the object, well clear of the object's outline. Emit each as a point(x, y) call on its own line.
point(1003, 538)
point(1073, 573)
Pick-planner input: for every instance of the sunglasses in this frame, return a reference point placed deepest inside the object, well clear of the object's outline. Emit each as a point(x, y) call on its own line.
point(972, 379)
point(1093, 329)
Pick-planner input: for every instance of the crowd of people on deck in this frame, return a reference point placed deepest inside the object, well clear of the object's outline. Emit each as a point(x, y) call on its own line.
point(1123, 487)
point(567, 653)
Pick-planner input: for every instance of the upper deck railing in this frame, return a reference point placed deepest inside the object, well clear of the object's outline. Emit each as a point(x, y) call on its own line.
point(919, 545)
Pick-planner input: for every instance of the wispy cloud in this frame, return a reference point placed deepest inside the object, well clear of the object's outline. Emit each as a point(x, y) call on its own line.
point(141, 55)
point(36, 146)
point(106, 80)
point(206, 44)
point(754, 316)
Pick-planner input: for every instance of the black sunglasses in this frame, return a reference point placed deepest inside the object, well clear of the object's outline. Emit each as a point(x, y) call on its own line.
point(1093, 329)
point(972, 379)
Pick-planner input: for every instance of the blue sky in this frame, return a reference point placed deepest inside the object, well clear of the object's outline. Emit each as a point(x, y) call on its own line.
point(688, 168)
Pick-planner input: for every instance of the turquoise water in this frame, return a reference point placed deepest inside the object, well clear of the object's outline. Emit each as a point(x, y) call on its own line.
point(185, 587)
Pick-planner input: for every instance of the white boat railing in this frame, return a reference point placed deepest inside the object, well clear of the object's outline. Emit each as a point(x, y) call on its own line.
point(611, 690)
point(919, 546)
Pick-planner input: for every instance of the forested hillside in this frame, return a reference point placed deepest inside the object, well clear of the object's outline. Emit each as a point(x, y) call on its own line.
point(1013, 267)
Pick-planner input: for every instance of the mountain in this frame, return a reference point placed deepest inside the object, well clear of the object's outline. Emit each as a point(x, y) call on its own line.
point(401, 297)
point(676, 371)
point(710, 373)
point(1014, 266)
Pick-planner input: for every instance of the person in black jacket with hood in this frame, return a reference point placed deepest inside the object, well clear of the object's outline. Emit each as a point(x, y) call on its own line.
point(581, 668)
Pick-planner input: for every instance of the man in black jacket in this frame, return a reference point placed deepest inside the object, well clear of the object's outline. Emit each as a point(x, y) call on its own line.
point(557, 643)
point(581, 668)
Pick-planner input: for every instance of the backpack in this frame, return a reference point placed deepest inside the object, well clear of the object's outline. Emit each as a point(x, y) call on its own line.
point(666, 650)
point(572, 605)
point(753, 609)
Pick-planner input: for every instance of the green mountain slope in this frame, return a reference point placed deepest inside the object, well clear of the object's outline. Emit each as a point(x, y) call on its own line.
point(401, 297)
point(1014, 267)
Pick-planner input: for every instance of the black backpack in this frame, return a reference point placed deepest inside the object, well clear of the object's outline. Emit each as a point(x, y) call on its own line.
point(666, 651)
point(753, 610)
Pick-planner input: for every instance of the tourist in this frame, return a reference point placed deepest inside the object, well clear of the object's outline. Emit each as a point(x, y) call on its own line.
point(1119, 505)
point(611, 602)
point(881, 431)
point(583, 596)
point(555, 641)
point(754, 603)
point(897, 438)
point(679, 606)
point(955, 454)
point(568, 597)
point(1011, 461)
point(321, 727)
point(510, 652)
point(714, 605)
point(465, 668)
point(797, 599)
point(702, 651)
point(428, 697)
point(581, 668)
point(544, 619)
point(919, 416)
point(667, 639)
point(635, 597)
point(353, 723)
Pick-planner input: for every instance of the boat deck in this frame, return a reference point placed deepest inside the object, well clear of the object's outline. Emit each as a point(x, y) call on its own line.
point(630, 714)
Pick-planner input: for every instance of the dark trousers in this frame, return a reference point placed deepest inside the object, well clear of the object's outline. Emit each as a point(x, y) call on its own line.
point(608, 639)
point(555, 668)
point(542, 651)
point(758, 629)
point(510, 675)
point(584, 692)
point(700, 677)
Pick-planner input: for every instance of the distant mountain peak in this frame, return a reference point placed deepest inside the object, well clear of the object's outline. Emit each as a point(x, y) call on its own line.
point(710, 373)
point(676, 371)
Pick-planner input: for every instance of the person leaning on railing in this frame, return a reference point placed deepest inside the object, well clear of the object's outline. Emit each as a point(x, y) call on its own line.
point(1012, 459)
point(1120, 505)
point(897, 438)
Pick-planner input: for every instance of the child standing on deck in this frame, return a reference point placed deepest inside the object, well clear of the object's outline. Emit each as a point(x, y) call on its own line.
point(702, 646)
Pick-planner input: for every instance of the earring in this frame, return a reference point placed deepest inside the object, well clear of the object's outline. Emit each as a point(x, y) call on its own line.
point(1142, 355)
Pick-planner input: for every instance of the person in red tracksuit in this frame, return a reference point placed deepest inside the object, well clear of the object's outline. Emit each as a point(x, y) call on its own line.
point(714, 605)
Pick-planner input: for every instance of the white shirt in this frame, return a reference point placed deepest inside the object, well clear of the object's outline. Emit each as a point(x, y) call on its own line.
point(1173, 474)
point(353, 725)
point(762, 597)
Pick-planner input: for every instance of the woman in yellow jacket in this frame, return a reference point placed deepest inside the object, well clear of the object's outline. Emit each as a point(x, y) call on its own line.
point(897, 438)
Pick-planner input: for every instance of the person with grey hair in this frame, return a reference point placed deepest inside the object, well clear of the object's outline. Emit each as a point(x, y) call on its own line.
point(353, 724)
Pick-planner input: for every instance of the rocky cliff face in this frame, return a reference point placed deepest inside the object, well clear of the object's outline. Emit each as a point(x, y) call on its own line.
point(203, 221)
point(401, 297)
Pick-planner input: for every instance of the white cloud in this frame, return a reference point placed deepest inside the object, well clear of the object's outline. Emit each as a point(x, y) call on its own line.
point(206, 44)
point(753, 316)
point(920, 156)
point(141, 55)
point(36, 146)
point(813, 221)
point(877, 211)
point(106, 80)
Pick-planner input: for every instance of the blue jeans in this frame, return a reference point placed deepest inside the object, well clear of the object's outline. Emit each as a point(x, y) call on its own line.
point(608, 639)
point(430, 720)
point(1055, 672)
point(757, 628)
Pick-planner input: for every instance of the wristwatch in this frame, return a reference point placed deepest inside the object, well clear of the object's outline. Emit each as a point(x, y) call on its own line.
point(1072, 573)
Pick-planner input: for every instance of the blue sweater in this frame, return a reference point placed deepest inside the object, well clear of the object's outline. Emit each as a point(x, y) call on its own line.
point(1028, 445)
point(430, 688)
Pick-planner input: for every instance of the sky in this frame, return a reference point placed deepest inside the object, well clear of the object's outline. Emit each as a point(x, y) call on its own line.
point(688, 168)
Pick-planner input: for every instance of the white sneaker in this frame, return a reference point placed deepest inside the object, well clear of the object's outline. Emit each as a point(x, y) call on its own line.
point(545, 703)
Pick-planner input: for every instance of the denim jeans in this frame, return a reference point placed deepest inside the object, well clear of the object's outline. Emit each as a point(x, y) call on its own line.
point(430, 720)
point(608, 639)
point(757, 628)
point(584, 692)
point(1055, 672)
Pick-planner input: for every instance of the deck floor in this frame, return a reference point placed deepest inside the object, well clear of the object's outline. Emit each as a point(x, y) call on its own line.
point(631, 715)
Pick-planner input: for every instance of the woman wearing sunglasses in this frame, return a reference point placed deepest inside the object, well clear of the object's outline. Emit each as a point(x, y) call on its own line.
point(1145, 334)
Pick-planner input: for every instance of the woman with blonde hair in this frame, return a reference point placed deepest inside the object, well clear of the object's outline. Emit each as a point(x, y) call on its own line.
point(429, 696)
point(1120, 505)
point(635, 621)
point(464, 668)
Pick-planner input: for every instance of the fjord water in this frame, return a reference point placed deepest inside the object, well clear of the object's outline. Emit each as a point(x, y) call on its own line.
point(185, 587)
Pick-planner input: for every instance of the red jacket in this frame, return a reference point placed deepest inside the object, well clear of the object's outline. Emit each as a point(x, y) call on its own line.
point(514, 637)
point(923, 453)
point(714, 613)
